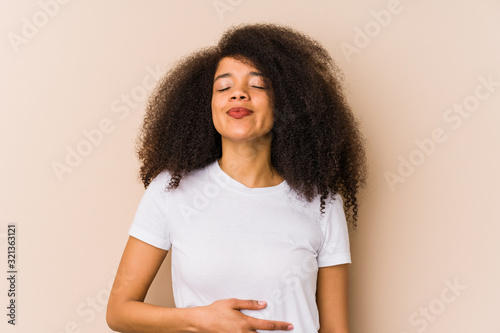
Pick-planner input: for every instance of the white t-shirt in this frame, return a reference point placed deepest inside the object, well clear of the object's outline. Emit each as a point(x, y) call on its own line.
point(232, 241)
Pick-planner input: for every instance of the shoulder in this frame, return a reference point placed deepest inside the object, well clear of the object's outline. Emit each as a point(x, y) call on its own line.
point(334, 207)
point(192, 178)
point(314, 208)
point(161, 181)
point(335, 199)
point(332, 199)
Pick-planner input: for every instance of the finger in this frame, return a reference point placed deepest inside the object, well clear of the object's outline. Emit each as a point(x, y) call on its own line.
point(240, 304)
point(270, 325)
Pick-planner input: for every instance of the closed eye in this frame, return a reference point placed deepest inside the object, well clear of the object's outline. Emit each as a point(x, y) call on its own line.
point(258, 87)
point(223, 89)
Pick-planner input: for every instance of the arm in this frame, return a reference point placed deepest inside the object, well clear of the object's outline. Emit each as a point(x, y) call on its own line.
point(332, 299)
point(127, 311)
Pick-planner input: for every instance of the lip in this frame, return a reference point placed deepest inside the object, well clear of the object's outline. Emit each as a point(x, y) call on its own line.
point(239, 112)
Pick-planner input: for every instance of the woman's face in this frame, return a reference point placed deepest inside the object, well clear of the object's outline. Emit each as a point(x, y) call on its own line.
point(242, 108)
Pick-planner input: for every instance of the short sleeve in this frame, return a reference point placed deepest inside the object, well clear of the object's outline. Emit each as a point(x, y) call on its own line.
point(150, 222)
point(335, 247)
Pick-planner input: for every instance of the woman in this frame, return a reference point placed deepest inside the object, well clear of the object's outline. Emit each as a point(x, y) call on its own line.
point(246, 148)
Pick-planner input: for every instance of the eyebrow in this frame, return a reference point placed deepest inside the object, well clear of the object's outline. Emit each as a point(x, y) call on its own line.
point(229, 75)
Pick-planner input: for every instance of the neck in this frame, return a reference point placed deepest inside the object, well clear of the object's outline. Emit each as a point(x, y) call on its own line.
point(249, 163)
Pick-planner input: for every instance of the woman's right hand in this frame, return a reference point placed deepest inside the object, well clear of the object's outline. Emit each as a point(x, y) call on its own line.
point(224, 316)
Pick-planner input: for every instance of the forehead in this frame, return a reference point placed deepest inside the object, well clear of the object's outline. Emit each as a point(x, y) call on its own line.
point(230, 65)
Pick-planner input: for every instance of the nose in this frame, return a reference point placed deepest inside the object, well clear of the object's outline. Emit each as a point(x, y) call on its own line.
point(239, 93)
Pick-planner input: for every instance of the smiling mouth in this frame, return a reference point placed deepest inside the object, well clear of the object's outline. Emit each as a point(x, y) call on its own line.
point(239, 113)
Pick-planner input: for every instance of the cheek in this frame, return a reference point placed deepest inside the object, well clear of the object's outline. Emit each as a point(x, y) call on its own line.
point(213, 105)
point(217, 103)
point(270, 121)
point(215, 115)
point(269, 115)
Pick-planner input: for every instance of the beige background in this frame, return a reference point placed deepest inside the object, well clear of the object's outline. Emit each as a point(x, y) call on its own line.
point(426, 253)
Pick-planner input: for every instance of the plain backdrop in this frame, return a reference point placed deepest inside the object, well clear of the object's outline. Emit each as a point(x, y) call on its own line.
point(423, 77)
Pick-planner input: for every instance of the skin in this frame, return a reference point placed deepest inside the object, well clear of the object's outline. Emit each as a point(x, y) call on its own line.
point(246, 142)
point(332, 299)
point(246, 157)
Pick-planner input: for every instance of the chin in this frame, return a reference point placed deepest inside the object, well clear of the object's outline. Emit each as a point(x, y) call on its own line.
point(238, 138)
point(242, 137)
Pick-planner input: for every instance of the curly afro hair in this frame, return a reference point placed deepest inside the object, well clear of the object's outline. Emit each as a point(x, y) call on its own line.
point(316, 144)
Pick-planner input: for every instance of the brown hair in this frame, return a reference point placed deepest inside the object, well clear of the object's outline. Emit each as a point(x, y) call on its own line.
point(316, 144)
